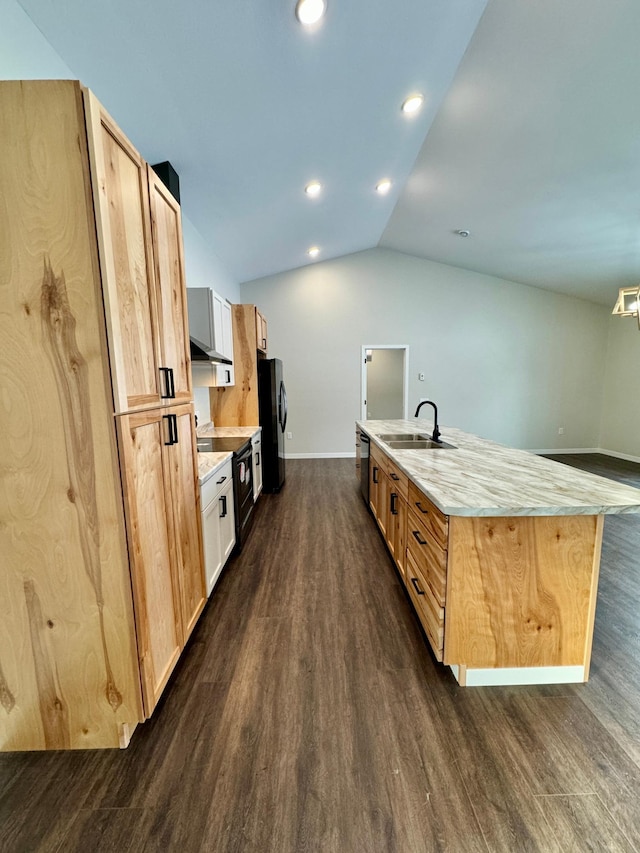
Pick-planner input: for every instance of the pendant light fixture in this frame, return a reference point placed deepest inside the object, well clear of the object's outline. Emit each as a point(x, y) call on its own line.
point(628, 303)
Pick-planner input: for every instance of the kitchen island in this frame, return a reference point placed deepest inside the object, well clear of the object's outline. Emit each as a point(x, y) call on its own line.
point(499, 550)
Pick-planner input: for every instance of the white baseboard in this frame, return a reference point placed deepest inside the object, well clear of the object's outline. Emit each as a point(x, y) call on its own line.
point(625, 456)
point(507, 676)
point(343, 455)
point(558, 451)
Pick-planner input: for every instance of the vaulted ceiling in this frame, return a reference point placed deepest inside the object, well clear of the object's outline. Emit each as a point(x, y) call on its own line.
point(529, 137)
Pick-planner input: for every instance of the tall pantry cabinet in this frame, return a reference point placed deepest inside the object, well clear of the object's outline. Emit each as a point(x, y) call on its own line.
point(101, 577)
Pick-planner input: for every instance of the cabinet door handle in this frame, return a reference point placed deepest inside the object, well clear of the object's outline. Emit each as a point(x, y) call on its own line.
point(394, 476)
point(264, 343)
point(418, 538)
point(172, 428)
point(228, 372)
point(393, 507)
point(414, 581)
point(223, 501)
point(221, 480)
point(422, 510)
point(375, 474)
point(169, 385)
point(257, 458)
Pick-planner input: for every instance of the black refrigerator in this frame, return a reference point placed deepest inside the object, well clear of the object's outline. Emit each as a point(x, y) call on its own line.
point(272, 403)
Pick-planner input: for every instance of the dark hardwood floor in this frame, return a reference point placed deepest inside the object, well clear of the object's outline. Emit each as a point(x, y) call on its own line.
point(308, 714)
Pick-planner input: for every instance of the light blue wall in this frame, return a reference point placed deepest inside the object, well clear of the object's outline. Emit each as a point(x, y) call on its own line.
point(505, 361)
point(26, 55)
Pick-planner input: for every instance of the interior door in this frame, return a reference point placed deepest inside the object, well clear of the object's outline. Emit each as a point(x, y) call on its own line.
point(384, 382)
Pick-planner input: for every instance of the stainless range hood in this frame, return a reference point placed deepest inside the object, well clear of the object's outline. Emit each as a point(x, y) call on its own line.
point(201, 353)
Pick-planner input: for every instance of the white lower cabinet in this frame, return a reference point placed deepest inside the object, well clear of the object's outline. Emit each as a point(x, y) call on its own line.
point(256, 449)
point(218, 522)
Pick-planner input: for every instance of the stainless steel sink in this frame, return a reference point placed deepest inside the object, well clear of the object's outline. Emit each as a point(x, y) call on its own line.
point(423, 444)
point(408, 436)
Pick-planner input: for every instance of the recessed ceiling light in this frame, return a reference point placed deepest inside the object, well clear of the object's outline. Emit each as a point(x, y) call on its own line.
point(310, 11)
point(412, 104)
point(313, 189)
point(462, 232)
point(313, 252)
point(383, 186)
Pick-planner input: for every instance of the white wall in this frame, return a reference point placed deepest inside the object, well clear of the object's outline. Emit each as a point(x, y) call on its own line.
point(620, 424)
point(502, 360)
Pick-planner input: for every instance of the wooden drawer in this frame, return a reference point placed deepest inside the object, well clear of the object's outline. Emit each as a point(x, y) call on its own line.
point(379, 458)
point(398, 479)
point(434, 521)
point(430, 613)
point(428, 555)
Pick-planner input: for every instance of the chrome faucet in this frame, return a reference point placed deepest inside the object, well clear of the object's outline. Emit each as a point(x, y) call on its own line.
point(436, 432)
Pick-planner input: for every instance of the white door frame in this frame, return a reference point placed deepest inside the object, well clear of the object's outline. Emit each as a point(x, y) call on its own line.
point(363, 376)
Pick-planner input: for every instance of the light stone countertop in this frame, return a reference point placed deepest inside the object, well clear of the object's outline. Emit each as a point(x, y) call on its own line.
point(209, 463)
point(211, 431)
point(483, 478)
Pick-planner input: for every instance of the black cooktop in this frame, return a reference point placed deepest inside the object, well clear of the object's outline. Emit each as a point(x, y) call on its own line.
point(224, 444)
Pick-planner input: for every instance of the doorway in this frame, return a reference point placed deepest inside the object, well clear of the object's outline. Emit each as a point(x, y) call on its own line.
point(385, 381)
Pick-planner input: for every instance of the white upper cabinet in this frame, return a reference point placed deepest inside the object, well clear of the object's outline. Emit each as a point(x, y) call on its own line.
point(210, 324)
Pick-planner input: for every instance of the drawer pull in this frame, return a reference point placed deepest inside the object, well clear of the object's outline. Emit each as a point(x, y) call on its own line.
point(170, 388)
point(414, 581)
point(172, 426)
point(418, 538)
point(394, 476)
point(423, 511)
point(221, 480)
point(393, 507)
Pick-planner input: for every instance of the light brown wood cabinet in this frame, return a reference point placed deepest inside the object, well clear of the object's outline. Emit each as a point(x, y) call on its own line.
point(238, 405)
point(140, 247)
point(261, 332)
point(91, 300)
point(426, 576)
point(415, 532)
point(495, 595)
point(388, 489)
point(161, 492)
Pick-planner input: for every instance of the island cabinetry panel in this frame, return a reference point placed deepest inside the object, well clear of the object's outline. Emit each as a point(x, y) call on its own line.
point(427, 574)
point(426, 604)
point(388, 488)
point(521, 591)
point(238, 405)
point(142, 270)
point(396, 518)
point(397, 528)
point(378, 487)
point(436, 523)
